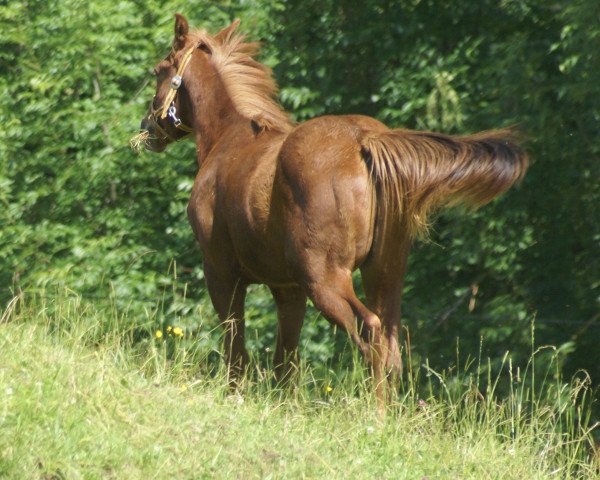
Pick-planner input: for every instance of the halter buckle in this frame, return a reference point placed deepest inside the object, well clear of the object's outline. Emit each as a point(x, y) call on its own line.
point(176, 82)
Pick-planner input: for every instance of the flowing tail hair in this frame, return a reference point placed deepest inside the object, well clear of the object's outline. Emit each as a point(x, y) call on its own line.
point(418, 172)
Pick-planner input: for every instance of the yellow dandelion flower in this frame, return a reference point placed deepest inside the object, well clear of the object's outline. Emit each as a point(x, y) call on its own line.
point(158, 334)
point(183, 388)
point(178, 332)
point(169, 328)
point(328, 389)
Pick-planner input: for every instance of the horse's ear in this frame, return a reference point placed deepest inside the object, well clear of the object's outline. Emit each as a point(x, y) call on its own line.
point(181, 30)
point(224, 35)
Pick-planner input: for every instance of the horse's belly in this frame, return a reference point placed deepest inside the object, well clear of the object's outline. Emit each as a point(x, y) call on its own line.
point(262, 258)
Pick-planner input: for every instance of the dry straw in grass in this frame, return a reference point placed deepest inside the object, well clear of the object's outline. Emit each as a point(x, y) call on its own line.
point(137, 142)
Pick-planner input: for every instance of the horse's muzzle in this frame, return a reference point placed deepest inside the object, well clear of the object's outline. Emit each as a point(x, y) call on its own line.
point(154, 142)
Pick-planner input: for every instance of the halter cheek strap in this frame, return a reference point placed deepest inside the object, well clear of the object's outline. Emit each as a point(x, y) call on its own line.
point(168, 109)
point(176, 81)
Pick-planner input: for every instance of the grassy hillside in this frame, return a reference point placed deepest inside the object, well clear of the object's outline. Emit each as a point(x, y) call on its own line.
point(84, 393)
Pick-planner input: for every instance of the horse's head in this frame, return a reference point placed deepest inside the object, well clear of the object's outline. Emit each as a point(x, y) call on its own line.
point(170, 118)
point(204, 82)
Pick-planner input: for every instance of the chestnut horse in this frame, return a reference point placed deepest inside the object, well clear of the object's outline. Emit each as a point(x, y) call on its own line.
point(300, 207)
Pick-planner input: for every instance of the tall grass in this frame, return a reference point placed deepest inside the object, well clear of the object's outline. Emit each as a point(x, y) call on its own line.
point(96, 392)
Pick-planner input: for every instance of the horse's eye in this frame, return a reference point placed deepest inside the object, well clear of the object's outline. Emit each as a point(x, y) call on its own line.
point(205, 48)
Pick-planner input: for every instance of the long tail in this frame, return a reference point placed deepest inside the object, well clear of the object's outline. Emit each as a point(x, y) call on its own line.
point(417, 172)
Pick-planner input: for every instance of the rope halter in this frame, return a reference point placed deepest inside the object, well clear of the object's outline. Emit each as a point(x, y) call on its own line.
point(168, 109)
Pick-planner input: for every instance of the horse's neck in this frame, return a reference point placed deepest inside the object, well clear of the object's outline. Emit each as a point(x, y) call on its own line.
point(210, 133)
point(213, 111)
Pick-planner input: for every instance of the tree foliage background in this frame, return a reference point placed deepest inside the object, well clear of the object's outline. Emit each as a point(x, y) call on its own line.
point(80, 210)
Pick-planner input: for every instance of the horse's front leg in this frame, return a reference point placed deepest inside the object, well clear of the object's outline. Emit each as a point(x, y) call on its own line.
point(291, 307)
point(228, 294)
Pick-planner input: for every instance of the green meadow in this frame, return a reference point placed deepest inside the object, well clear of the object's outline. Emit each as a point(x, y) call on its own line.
point(87, 393)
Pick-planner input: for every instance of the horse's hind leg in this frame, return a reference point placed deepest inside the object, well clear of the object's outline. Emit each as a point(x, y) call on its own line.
point(383, 281)
point(228, 295)
point(291, 307)
point(334, 296)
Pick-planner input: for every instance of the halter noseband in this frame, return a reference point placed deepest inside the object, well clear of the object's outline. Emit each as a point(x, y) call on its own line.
point(168, 109)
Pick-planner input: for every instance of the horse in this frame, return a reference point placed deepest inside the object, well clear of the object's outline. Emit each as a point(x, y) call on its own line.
point(300, 207)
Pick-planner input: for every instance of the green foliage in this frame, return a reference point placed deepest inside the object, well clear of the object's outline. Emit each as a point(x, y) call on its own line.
point(78, 208)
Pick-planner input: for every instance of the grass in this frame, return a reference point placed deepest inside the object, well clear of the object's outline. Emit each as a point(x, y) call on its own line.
point(84, 393)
